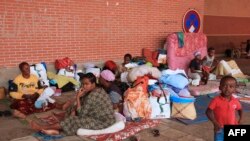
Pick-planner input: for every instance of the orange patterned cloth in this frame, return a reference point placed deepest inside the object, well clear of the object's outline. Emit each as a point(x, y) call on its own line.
point(136, 99)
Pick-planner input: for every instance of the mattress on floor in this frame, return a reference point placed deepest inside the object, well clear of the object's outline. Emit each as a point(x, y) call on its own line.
point(211, 87)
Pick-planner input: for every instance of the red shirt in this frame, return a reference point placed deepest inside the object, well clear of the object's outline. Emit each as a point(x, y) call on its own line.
point(224, 110)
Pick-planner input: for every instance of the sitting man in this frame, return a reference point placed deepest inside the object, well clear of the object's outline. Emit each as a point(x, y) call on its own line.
point(24, 91)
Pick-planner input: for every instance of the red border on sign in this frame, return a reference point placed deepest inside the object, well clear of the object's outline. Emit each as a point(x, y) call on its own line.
point(186, 15)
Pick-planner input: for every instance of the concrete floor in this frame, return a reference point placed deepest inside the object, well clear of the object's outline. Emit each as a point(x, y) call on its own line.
point(170, 130)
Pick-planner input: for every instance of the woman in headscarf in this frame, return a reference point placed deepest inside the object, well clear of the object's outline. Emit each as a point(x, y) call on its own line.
point(106, 80)
point(197, 73)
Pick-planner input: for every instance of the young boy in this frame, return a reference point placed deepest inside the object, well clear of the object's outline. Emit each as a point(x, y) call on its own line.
point(221, 110)
point(210, 60)
point(127, 58)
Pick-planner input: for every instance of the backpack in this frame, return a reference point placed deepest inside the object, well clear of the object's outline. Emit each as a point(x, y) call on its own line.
point(63, 63)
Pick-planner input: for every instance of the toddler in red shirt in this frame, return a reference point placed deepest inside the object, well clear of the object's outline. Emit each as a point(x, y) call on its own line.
point(221, 110)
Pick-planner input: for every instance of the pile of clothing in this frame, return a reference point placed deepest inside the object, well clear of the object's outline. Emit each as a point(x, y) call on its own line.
point(152, 91)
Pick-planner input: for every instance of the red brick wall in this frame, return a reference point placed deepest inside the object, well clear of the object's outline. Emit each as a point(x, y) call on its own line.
point(86, 30)
point(227, 24)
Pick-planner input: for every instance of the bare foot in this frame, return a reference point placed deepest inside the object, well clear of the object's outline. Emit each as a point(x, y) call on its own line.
point(67, 104)
point(18, 114)
point(202, 83)
point(50, 132)
point(59, 116)
point(50, 119)
point(35, 126)
point(59, 106)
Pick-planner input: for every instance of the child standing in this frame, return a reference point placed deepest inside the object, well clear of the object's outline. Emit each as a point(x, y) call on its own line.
point(221, 110)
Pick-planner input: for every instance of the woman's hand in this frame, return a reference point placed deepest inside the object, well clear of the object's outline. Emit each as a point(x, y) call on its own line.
point(80, 93)
point(73, 113)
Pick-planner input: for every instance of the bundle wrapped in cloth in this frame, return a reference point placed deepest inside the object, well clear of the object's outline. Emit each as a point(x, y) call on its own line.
point(143, 70)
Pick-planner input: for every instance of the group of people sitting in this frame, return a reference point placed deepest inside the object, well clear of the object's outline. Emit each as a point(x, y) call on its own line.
point(94, 104)
point(92, 107)
point(208, 68)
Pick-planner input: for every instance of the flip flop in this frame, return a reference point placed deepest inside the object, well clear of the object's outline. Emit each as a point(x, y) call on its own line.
point(133, 138)
point(6, 113)
point(156, 132)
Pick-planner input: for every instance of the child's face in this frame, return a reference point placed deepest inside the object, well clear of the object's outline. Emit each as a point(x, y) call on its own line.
point(211, 53)
point(25, 70)
point(87, 85)
point(127, 60)
point(228, 87)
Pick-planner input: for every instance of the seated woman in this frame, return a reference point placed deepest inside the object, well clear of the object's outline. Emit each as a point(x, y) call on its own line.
point(229, 68)
point(93, 110)
point(111, 65)
point(106, 80)
point(197, 73)
point(24, 92)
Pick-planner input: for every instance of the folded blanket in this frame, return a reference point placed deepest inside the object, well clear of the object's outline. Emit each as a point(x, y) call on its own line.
point(61, 80)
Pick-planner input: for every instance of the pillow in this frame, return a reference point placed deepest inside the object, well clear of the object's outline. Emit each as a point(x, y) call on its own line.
point(118, 126)
point(184, 93)
point(177, 80)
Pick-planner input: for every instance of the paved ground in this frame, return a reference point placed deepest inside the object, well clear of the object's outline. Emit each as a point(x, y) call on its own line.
point(169, 131)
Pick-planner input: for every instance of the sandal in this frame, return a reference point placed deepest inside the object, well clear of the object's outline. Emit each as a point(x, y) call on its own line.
point(156, 132)
point(7, 113)
point(133, 138)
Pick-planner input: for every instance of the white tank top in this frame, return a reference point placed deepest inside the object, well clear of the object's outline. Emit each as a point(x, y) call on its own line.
point(208, 61)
